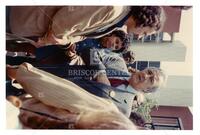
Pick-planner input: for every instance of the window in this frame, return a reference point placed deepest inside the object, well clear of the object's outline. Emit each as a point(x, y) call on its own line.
point(165, 123)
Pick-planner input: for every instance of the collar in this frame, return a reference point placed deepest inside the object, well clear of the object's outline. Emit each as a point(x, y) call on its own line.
point(131, 89)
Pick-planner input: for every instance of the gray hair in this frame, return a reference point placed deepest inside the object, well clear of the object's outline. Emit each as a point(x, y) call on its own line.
point(162, 81)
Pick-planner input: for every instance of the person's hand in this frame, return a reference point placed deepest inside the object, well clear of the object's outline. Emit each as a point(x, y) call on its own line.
point(11, 71)
point(132, 70)
point(71, 51)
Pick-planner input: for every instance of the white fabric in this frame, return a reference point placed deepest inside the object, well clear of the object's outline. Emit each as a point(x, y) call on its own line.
point(58, 92)
point(12, 112)
point(68, 23)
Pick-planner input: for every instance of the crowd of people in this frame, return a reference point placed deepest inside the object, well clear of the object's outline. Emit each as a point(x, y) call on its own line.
point(91, 41)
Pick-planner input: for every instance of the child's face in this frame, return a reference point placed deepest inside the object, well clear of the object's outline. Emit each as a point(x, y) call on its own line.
point(112, 42)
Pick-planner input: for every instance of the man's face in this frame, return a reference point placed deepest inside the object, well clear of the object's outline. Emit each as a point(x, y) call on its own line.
point(145, 79)
point(143, 31)
point(139, 32)
point(112, 42)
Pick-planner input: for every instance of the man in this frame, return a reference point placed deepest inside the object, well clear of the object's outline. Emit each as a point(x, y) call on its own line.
point(70, 24)
point(137, 82)
point(146, 81)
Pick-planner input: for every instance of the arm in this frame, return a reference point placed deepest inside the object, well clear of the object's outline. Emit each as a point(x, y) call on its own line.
point(57, 92)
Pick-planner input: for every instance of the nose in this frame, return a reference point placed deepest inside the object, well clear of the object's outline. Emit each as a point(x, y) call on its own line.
point(138, 36)
point(142, 77)
point(146, 76)
point(113, 46)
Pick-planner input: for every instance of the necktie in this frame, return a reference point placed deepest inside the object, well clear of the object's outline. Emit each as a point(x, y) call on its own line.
point(116, 82)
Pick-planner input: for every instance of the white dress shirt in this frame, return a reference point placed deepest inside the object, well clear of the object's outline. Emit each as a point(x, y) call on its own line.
point(129, 89)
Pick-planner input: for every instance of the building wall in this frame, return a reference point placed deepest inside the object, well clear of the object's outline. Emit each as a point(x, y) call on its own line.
point(173, 17)
point(181, 112)
point(185, 35)
point(164, 51)
point(177, 92)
